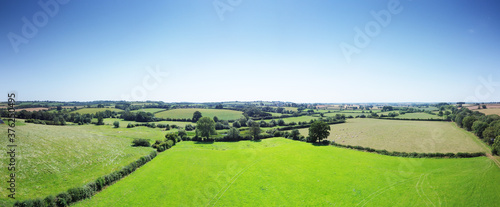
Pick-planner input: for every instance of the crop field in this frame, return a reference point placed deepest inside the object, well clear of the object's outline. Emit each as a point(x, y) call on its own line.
point(281, 172)
point(404, 136)
point(55, 158)
point(223, 114)
point(149, 110)
point(490, 111)
point(94, 110)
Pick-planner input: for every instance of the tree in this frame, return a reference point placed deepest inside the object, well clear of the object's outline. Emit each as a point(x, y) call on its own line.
point(243, 121)
point(236, 124)
point(205, 127)
point(281, 122)
point(196, 116)
point(182, 133)
point(172, 136)
point(496, 146)
point(59, 108)
point(117, 124)
point(484, 106)
point(295, 134)
point(100, 120)
point(216, 119)
point(478, 127)
point(254, 130)
point(319, 130)
point(189, 127)
point(467, 122)
point(249, 122)
point(233, 133)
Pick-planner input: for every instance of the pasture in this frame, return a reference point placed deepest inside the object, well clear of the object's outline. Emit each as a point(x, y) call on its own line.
point(52, 159)
point(281, 172)
point(418, 116)
point(94, 110)
point(223, 114)
point(404, 136)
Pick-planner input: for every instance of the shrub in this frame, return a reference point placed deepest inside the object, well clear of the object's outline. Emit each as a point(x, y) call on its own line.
point(141, 142)
point(100, 183)
point(130, 125)
point(326, 142)
point(189, 127)
point(63, 199)
point(116, 124)
point(49, 201)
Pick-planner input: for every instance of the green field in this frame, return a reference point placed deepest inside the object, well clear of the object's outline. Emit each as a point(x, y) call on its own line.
point(52, 159)
point(94, 110)
point(404, 136)
point(281, 172)
point(149, 110)
point(418, 116)
point(413, 115)
point(223, 114)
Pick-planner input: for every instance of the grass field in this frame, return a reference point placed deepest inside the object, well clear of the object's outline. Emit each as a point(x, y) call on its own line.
point(281, 172)
point(404, 136)
point(188, 113)
point(413, 115)
point(149, 110)
point(52, 159)
point(418, 116)
point(94, 110)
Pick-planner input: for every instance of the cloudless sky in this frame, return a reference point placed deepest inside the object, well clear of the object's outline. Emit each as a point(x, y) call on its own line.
point(274, 50)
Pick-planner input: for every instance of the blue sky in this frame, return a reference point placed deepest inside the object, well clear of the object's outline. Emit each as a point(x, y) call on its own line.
point(275, 50)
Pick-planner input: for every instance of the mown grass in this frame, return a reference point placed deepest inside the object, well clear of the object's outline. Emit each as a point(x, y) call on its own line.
point(51, 159)
point(404, 136)
point(281, 172)
point(222, 114)
point(94, 110)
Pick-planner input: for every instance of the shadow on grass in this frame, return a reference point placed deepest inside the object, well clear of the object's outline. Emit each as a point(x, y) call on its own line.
point(204, 142)
point(318, 144)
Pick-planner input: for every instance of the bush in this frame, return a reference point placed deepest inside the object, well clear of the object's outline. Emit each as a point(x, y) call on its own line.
point(63, 199)
point(189, 127)
point(49, 201)
point(130, 125)
point(116, 124)
point(141, 142)
point(326, 142)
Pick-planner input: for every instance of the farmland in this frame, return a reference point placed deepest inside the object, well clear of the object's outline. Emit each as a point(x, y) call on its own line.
point(94, 110)
point(55, 158)
point(404, 136)
point(490, 111)
point(188, 113)
point(149, 110)
point(283, 172)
